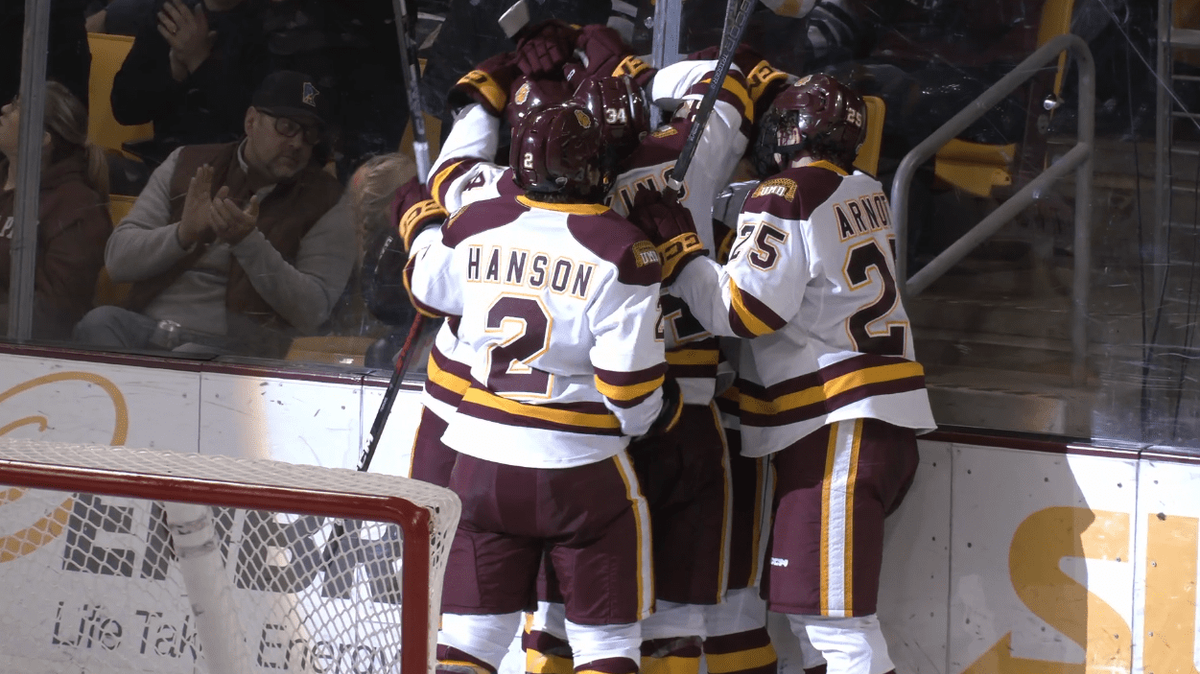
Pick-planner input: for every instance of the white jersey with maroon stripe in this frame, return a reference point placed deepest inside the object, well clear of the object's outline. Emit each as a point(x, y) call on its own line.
point(717, 153)
point(461, 176)
point(464, 173)
point(558, 307)
point(446, 376)
point(811, 282)
point(692, 351)
point(465, 170)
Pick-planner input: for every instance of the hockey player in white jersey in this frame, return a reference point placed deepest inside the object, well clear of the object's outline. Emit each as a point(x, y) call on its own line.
point(466, 172)
point(829, 386)
point(469, 150)
point(415, 206)
point(558, 303)
point(686, 474)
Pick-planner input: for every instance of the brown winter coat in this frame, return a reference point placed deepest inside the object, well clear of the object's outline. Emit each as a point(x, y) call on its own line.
point(73, 228)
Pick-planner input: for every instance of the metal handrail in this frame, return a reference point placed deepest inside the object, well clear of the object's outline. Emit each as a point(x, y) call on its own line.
point(1079, 157)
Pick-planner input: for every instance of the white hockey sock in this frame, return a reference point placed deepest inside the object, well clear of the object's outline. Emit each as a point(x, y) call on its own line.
point(486, 637)
point(850, 645)
point(599, 642)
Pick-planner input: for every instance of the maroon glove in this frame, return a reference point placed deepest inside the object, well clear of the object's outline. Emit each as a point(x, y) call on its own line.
point(669, 226)
point(487, 84)
point(607, 55)
point(546, 48)
point(413, 210)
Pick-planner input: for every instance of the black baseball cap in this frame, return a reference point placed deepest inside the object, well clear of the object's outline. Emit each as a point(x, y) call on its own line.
point(291, 94)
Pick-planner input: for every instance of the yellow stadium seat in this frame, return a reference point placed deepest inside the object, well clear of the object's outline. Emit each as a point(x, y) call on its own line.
point(108, 53)
point(330, 349)
point(107, 291)
point(977, 168)
point(119, 206)
point(868, 155)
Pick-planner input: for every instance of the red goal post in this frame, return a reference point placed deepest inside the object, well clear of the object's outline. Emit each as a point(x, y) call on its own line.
point(133, 560)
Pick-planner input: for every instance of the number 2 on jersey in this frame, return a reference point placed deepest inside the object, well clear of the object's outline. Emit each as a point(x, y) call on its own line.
point(509, 369)
point(859, 263)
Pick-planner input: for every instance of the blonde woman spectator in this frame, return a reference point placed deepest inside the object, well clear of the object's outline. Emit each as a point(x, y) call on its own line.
point(381, 299)
point(73, 221)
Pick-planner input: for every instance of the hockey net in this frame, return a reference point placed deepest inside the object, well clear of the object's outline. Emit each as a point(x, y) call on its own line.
point(127, 561)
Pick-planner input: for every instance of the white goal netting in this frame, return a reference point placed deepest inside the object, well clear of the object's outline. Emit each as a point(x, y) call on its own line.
point(128, 561)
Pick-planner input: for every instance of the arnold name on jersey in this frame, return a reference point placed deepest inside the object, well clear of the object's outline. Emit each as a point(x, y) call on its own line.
point(864, 215)
point(520, 268)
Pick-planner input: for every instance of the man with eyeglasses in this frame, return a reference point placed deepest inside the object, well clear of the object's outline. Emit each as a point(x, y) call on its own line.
point(236, 247)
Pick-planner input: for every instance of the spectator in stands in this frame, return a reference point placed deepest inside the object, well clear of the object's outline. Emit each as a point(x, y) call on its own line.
point(73, 223)
point(352, 50)
point(192, 72)
point(235, 247)
point(375, 303)
point(120, 17)
point(69, 58)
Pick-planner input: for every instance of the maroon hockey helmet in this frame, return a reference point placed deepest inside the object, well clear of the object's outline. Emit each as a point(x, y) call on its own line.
point(529, 94)
point(619, 104)
point(817, 116)
point(559, 150)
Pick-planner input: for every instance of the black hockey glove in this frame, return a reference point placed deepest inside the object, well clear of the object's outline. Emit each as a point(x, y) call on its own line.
point(672, 409)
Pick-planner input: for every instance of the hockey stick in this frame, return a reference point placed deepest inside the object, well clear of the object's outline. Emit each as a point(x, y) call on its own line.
point(389, 395)
point(333, 549)
point(412, 82)
point(516, 18)
point(700, 117)
point(410, 67)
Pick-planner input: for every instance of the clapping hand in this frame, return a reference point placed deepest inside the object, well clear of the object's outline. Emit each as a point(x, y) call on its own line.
point(186, 31)
point(196, 221)
point(230, 222)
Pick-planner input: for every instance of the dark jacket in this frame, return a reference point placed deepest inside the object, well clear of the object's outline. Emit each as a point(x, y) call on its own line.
point(128, 17)
point(69, 58)
point(73, 227)
point(207, 107)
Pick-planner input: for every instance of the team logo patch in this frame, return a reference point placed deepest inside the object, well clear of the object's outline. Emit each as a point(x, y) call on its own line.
point(310, 94)
point(584, 120)
point(522, 94)
point(665, 132)
point(779, 187)
point(645, 253)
